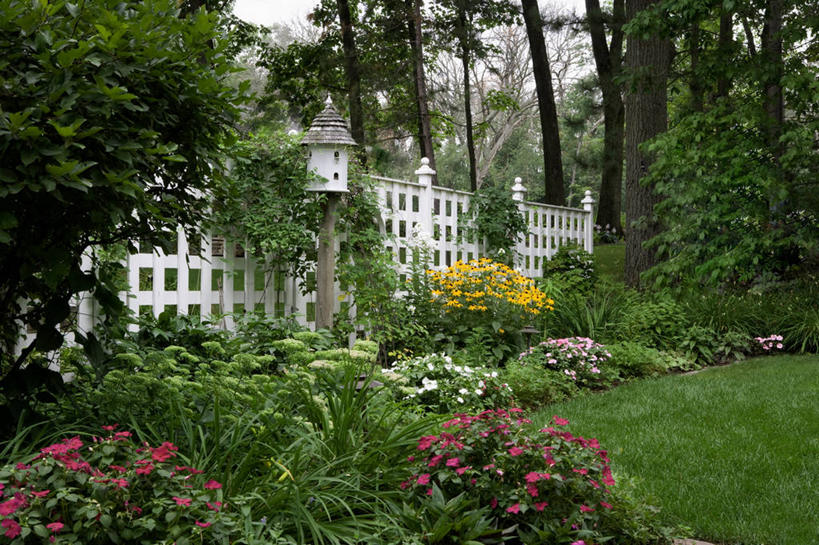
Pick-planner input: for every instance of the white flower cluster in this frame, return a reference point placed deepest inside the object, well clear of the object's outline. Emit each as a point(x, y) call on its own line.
point(441, 382)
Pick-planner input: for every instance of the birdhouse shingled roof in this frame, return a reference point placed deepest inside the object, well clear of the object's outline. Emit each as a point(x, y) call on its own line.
point(328, 127)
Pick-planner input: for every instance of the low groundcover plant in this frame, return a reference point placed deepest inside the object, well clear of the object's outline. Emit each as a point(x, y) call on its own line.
point(549, 486)
point(111, 490)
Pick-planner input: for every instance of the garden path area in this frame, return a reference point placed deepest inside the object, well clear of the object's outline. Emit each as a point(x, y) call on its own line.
point(729, 451)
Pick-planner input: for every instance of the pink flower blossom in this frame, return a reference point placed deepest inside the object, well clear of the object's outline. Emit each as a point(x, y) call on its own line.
point(41, 494)
point(541, 505)
point(55, 526)
point(532, 477)
point(580, 542)
point(493, 503)
point(435, 460)
point(560, 421)
point(514, 509)
point(453, 462)
point(429, 492)
point(110, 428)
point(462, 470)
point(163, 452)
point(12, 528)
point(423, 479)
point(215, 506)
point(532, 490)
point(203, 524)
point(515, 451)
point(586, 509)
point(184, 502)
point(606, 505)
point(213, 485)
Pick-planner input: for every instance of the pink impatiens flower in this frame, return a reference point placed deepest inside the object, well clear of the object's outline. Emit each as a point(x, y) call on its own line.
point(423, 479)
point(559, 421)
point(541, 505)
point(55, 526)
point(514, 509)
point(203, 524)
point(452, 462)
point(606, 505)
point(586, 509)
point(515, 451)
point(184, 502)
point(12, 528)
point(213, 485)
point(581, 542)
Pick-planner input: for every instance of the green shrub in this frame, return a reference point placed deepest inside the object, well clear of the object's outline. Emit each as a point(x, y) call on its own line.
point(707, 347)
point(635, 360)
point(534, 386)
point(573, 267)
point(113, 491)
point(545, 487)
point(655, 322)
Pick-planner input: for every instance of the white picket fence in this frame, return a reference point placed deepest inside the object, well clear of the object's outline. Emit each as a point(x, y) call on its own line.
point(220, 277)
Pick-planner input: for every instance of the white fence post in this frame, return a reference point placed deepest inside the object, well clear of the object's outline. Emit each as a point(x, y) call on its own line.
point(588, 207)
point(425, 174)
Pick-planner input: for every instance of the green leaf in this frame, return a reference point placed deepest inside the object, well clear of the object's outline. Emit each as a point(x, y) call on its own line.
point(41, 530)
point(105, 520)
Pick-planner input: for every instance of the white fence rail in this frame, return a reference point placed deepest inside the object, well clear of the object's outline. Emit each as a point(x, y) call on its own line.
point(218, 276)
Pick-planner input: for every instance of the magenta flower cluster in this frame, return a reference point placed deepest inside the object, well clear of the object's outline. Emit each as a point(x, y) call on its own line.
point(521, 477)
point(73, 488)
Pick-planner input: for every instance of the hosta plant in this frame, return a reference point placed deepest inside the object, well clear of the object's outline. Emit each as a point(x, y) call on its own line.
point(579, 358)
point(111, 490)
point(547, 486)
point(444, 386)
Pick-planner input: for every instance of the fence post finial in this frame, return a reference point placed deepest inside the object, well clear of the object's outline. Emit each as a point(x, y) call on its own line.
point(519, 190)
point(588, 207)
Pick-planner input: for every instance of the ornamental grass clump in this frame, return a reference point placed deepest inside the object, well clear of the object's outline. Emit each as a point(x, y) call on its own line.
point(442, 385)
point(580, 359)
point(548, 486)
point(113, 491)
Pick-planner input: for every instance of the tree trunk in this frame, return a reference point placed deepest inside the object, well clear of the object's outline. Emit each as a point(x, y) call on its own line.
point(608, 61)
point(724, 47)
point(351, 70)
point(648, 63)
point(422, 101)
point(552, 163)
point(772, 81)
point(463, 39)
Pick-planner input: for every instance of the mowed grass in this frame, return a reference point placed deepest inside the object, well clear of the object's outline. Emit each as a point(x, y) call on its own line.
point(610, 261)
point(731, 452)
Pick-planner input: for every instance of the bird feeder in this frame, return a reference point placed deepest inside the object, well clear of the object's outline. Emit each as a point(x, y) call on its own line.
point(326, 141)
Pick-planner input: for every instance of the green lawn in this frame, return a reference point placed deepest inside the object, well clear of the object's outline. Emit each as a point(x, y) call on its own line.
point(610, 261)
point(731, 452)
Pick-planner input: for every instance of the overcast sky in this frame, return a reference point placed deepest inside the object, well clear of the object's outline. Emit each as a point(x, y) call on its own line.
point(267, 12)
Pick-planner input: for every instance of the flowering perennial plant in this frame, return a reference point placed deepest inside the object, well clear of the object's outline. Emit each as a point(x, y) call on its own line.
point(769, 344)
point(549, 481)
point(444, 386)
point(111, 491)
point(579, 358)
point(486, 286)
